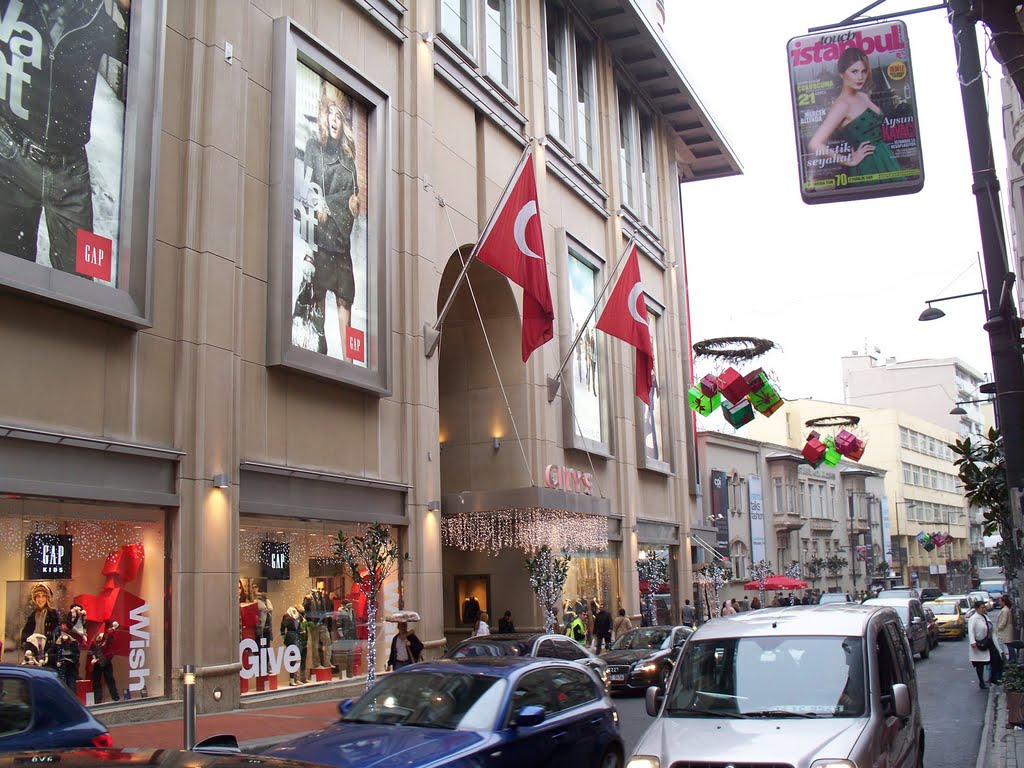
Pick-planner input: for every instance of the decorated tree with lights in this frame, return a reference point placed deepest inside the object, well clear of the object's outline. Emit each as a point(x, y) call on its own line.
point(714, 576)
point(547, 577)
point(652, 571)
point(370, 558)
point(760, 572)
point(793, 570)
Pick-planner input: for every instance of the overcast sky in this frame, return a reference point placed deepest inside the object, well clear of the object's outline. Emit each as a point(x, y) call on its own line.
point(824, 280)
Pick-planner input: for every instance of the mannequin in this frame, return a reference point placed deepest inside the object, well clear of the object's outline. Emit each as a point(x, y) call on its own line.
point(76, 624)
point(470, 610)
point(306, 630)
point(266, 617)
point(68, 655)
point(103, 663)
point(35, 651)
point(347, 633)
point(43, 619)
point(320, 611)
point(290, 636)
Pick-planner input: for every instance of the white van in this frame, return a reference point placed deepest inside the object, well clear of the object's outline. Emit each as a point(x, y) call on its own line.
point(995, 589)
point(790, 686)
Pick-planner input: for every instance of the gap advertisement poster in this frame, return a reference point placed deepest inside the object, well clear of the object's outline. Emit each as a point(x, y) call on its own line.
point(855, 113)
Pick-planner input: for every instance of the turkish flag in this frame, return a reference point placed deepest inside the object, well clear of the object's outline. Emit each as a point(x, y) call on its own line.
point(513, 244)
point(625, 317)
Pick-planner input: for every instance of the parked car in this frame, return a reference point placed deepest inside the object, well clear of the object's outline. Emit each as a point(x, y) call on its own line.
point(915, 623)
point(504, 712)
point(644, 656)
point(979, 594)
point(541, 645)
point(898, 591)
point(949, 615)
point(930, 593)
point(933, 627)
point(994, 589)
point(789, 686)
point(965, 602)
point(834, 597)
point(37, 711)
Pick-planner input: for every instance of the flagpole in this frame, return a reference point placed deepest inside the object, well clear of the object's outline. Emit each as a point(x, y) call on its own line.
point(432, 333)
point(554, 382)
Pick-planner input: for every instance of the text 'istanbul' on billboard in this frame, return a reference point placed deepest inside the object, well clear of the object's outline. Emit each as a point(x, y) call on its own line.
point(855, 114)
point(62, 108)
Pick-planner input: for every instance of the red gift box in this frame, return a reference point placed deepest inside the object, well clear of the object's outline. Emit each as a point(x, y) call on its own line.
point(856, 452)
point(844, 441)
point(733, 386)
point(814, 450)
point(709, 385)
point(756, 378)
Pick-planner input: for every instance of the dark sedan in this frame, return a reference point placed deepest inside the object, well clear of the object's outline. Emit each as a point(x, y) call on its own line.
point(500, 712)
point(644, 657)
point(540, 645)
point(37, 711)
point(143, 758)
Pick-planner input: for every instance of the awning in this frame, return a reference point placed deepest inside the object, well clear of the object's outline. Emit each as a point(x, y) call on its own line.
point(702, 150)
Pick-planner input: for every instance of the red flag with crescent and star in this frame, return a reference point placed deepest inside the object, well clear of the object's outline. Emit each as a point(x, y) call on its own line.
point(625, 317)
point(513, 244)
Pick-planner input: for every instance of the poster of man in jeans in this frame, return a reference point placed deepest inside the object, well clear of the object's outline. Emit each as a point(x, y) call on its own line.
point(62, 94)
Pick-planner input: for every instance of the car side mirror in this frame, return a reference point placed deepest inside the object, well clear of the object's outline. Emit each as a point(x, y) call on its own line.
point(529, 716)
point(653, 698)
point(901, 700)
point(344, 706)
point(221, 744)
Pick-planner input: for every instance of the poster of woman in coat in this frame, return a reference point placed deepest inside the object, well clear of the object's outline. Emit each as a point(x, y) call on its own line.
point(329, 286)
point(62, 97)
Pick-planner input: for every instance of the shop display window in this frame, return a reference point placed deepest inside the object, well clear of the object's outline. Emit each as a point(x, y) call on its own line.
point(303, 619)
point(593, 580)
point(472, 597)
point(666, 596)
point(84, 594)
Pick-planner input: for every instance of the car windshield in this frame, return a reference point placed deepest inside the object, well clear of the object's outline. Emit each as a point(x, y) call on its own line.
point(940, 609)
point(641, 639)
point(833, 598)
point(492, 648)
point(452, 700)
point(749, 677)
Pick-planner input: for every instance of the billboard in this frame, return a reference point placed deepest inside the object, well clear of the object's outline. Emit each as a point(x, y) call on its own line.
point(758, 550)
point(720, 511)
point(855, 113)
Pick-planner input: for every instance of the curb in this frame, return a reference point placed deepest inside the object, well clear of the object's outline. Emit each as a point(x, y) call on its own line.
point(986, 728)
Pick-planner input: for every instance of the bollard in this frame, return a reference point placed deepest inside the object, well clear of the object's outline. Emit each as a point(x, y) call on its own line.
point(189, 679)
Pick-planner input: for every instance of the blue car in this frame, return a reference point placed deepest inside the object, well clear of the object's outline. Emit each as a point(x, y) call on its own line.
point(503, 712)
point(37, 711)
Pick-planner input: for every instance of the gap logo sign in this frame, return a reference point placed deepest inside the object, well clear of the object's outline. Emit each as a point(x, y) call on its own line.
point(275, 560)
point(48, 556)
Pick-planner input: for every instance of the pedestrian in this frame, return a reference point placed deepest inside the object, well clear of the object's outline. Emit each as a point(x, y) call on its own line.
point(980, 652)
point(744, 605)
point(622, 624)
point(577, 629)
point(602, 629)
point(689, 615)
point(405, 647)
point(482, 628)
point(1005, 629)
point(755, 603)
point(505, 624)
point(791, 600)
point(727, 609)
point(588, 620)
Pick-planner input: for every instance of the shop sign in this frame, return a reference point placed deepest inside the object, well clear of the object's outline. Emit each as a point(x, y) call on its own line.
point(757, 538)
point(568, 479)
point(48, 556)
point(720, 511)
point(855, 113)
point(275, 560)
point(139, 670)
point(259, 661)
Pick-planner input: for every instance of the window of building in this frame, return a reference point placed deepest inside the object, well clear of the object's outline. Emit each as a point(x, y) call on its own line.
point(648, 173)
point(457, 22)
point(483, 31)
point(498, 34)
point(586, 103)
point(627, 147)
point(571, 87)
point(557, 72)
point(655, 429)
point(588, 403)
point(779, 505)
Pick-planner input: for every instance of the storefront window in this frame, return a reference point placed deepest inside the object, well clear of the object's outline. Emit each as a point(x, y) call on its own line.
point(84, 594)
point(302, 617)
point(666, 597)
point(593, 579)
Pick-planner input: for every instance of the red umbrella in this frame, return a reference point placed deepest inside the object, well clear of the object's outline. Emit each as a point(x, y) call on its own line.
point(776, 583)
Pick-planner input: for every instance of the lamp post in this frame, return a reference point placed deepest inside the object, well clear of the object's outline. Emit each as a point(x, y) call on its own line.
point(931, 313)
point(899, 537)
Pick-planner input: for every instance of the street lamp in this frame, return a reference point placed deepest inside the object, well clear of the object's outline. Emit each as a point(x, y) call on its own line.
point(899, 536)
point(958, 411)
point(931, 313)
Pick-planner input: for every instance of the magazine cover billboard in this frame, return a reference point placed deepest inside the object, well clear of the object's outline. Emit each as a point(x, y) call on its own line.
point(855, 113)
point(327, 298)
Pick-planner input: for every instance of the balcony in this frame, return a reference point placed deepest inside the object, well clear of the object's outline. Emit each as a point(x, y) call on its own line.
point(822, 525)
point(788, 521)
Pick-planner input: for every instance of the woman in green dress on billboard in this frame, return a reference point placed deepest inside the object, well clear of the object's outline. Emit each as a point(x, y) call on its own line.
point(856, 119)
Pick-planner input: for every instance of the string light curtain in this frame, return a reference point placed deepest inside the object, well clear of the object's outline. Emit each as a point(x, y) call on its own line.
point(527, 529)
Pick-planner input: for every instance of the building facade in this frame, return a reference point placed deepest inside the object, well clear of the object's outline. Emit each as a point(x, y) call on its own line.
point(231, 363)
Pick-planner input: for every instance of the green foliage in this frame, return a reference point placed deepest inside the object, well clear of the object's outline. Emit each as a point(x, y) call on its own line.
point(375, 552)
point(883, 568)
point(1013, 678)
point(835, 564)
point(982, 470)
point(815, 567)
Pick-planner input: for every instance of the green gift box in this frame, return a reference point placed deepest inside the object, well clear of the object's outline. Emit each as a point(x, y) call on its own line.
point(739, 414)
point(701, 403)
point(832, 456)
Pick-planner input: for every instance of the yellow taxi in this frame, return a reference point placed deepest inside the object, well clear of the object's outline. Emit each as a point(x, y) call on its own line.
point(949, 618)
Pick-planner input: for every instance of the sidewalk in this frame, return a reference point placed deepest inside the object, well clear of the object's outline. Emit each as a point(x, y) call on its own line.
point(254, 728)
point(1001, 747)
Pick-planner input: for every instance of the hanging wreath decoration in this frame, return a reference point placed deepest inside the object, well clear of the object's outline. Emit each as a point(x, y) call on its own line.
point(733, 349)
point(824, 422)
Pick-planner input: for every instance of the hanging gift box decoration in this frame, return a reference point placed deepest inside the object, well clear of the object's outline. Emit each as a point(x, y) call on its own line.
point(709, 385)
point(848, 444)
point(732, 385)
point(925, 541)
point(832, 456)
point(762, 395)
point(814, 449)
point(739, 414)
point(701, 403)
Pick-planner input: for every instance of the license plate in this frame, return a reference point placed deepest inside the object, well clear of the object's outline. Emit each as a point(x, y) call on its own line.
point(618, 678)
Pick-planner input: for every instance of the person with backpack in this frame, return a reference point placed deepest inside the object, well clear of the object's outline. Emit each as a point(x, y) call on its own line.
point(577, 630)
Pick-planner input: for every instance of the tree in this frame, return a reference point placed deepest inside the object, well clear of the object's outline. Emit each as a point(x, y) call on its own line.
point(815, 566)
point(547, 577)
point(883, 568)
point(652, 571)
point(835, 565)
point(370, 559)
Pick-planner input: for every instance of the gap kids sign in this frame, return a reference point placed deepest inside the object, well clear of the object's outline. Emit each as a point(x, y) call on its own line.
point(568, 479)
point(48, 556)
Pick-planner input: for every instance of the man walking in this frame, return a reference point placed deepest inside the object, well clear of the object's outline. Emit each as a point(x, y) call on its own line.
point(602, 629)
point(689, 615)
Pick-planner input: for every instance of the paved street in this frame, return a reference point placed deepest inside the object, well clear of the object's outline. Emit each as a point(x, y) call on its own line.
point(951, 701)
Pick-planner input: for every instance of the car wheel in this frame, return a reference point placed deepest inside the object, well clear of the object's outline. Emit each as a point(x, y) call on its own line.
point(611, 759)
